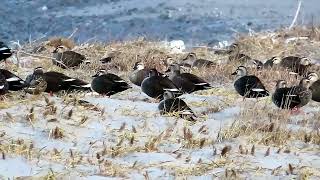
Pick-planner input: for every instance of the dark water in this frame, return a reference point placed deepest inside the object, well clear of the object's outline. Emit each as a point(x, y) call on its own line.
point(194, 21)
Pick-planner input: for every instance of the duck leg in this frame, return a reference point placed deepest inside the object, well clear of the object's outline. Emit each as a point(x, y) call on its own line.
point(295, 111)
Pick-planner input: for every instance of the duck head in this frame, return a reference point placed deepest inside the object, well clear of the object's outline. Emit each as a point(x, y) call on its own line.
point(168, 95)
point(276, 60)
point(305, 82)
point(174, 68)
point(190, 57)
point(281, 84)
point(305, 61)
point(153, 72)
point(313, 77)
point(138, 66)
point(257, 63)
point(38, 70)
point(100, 73)
point(60, 49)
point(168, 60)
point(234, 48)
point(240, 71)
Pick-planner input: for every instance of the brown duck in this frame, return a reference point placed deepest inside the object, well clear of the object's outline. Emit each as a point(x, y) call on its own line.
point(67, 59)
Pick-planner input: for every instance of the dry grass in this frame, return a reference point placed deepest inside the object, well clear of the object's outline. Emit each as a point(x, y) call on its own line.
point(258, 128)
point(262, 46)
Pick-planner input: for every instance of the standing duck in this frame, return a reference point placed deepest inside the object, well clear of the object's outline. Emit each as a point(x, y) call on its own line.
point(186, 82)
point(57, 81)
point(170, 104)
point(66, 58)
point(292, 97)
point(315, 86)
point(4, 86)
point(15, 82)
point(107, 83)
point(298, 65)
point(5, 51)
point(193, 61)
point(235, 55)
point(139, 73)
point(248, 86)
point(155, 85)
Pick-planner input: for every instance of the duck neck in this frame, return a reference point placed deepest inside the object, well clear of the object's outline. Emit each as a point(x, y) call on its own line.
point(190, 60)
point(176, 72)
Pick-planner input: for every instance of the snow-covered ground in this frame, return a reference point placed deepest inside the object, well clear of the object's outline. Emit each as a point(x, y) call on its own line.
point(124, 136)
point(87, 136)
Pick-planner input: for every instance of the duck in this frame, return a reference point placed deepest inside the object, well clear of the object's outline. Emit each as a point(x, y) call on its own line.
point(248, 86)
point(14, 81)
point(235, 55)
point(5, 51)
point(57, 81)
point(273, 62)
point(315, 86)
point(106, 60)
point(4, 85)
point(292, 97)
point(166, 62)
point(67, 58)
point(139, 73)
point(257, 63)
point(192, 60)
point(37, 85)
point(171, 104)
point(107, 83)
point(270, 63)
point(155, 85)
point(298, 65)
point(186, 82)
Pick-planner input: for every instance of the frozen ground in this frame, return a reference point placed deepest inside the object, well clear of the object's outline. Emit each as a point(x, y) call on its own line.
point(126, 137)
point(204, 22)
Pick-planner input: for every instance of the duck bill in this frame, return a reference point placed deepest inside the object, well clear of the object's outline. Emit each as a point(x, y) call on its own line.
point(55, 50)
point(183, 67)
point(96, 75)
point(254, 62)
point(234, 73)
point(167, 71)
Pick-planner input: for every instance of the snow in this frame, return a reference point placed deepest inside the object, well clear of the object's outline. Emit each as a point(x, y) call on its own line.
point(14, 167)
point(175, 46)
point(132, 110)
point(149, 158)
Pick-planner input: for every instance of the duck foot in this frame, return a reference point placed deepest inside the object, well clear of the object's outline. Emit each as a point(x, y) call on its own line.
point(296, 111)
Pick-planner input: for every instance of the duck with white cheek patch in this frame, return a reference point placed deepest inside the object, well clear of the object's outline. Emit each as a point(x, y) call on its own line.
point(248, 86)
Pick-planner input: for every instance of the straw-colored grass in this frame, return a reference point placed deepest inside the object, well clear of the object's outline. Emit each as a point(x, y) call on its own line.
point(258, 127)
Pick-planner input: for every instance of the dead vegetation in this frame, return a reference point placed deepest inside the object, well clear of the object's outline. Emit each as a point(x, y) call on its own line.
point(258, 130)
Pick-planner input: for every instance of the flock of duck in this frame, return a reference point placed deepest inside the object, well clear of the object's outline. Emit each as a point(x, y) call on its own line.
point(169, 86)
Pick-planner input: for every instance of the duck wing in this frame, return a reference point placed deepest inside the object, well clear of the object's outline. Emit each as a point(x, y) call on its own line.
point(251, 87)
point(197, 81)
point(14, 81)
point(201, 63)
